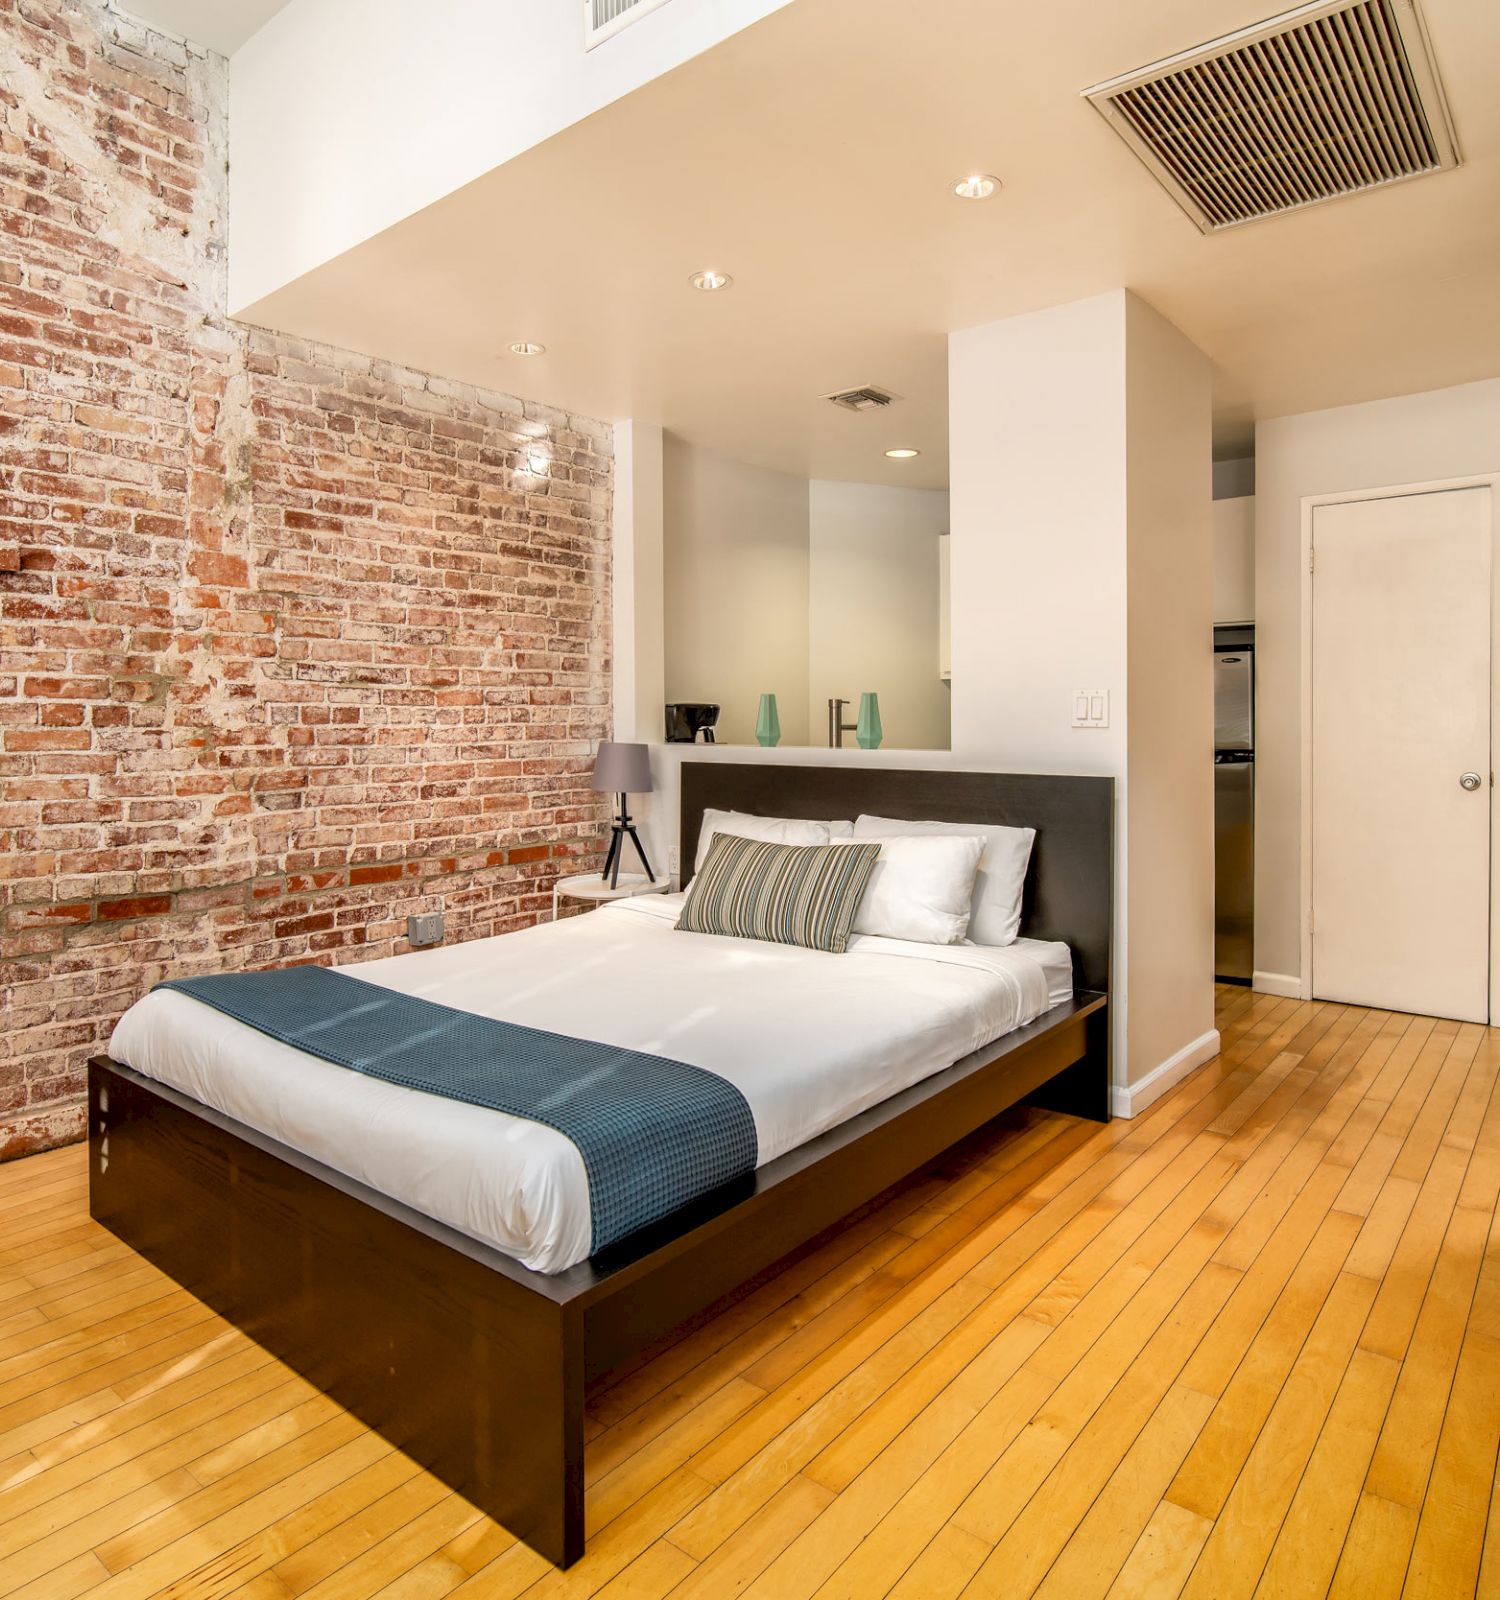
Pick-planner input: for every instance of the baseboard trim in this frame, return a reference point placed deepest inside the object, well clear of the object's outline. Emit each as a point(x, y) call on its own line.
point(1287, 985)
point(1129, 1100)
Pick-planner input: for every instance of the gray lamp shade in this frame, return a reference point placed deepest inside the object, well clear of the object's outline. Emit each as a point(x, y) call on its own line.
point(622, 768)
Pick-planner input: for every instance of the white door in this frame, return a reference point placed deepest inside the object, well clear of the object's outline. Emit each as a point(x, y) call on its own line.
point(1401, 753)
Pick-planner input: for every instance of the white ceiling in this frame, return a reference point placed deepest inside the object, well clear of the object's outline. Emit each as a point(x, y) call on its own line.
point(810, 156)
point(222, 25)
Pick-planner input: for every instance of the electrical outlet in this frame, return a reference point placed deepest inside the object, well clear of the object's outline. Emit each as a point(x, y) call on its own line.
point(425, 929)
point(674, 859)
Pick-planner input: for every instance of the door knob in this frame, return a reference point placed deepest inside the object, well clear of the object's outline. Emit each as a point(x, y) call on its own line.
point(1470, 781)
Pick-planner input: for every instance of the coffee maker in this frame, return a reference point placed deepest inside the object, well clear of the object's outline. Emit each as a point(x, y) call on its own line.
point(685, 721)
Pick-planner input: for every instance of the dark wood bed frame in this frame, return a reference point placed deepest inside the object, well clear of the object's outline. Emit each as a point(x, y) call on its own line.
point(475, 1366)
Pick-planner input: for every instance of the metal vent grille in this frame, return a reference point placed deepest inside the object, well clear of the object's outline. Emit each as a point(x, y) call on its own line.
point(865, 398)
point(604, 18)
point(1325, 101)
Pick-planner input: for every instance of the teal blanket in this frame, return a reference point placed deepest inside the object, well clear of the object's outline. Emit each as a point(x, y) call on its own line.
point(653, 1133)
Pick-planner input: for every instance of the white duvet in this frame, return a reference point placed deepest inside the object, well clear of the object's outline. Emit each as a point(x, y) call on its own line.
point(809, 1039)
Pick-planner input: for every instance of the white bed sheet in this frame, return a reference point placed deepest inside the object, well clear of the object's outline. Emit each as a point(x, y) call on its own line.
point(809, 1039)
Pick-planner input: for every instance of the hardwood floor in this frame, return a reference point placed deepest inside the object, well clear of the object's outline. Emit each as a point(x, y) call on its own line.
point(1245, 1345)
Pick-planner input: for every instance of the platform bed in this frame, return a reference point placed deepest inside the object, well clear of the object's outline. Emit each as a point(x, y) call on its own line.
point(477, 1367)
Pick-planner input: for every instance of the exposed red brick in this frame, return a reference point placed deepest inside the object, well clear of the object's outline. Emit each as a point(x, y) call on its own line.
point(62, 1122)
point(146, 905)
point(210, 567)
point(533, 852)
point(375, 875)
point(44, 739)
point(67, 688)
point(289, 647)
point(49, 916)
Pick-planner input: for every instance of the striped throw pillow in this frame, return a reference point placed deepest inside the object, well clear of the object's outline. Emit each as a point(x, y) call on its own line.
point(802, 894)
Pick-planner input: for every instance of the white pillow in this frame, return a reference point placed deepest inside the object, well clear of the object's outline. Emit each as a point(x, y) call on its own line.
point(921, 888)
point(768, 830)
point(996, 913)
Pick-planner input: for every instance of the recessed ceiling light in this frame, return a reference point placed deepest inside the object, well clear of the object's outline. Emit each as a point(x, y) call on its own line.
point(977, 186)
point(903, 453)
point(710, 280)
point(524, 347)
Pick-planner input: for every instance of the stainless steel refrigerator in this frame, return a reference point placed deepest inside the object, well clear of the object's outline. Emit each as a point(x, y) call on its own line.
point(1234, 803)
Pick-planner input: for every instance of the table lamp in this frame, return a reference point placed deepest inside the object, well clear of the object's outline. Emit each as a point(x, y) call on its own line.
point(624, 770)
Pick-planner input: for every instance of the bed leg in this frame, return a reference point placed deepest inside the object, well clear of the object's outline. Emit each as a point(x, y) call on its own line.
point(1082, 1090)
point(553, 1458)
point(527, 1426)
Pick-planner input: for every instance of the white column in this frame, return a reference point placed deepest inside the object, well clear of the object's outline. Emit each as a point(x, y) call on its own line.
point(639, 649)
point(1081, 560)
point(1169, 627)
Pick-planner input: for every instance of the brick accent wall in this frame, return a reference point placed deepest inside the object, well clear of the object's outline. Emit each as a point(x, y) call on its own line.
point(293, 643)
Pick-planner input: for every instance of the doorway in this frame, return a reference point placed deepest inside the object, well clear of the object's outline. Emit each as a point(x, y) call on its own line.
point(1400, 752)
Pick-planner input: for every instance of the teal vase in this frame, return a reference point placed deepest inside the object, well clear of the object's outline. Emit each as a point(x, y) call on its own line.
point(868, 731)
point(768, 723)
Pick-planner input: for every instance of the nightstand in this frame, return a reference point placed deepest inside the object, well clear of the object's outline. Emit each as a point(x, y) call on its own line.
point(594, 890)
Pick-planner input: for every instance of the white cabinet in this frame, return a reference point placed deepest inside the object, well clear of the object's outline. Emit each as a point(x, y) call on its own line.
point(1234, 559)
point(945, 612)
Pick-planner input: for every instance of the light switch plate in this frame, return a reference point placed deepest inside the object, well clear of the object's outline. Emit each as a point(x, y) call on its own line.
point(1091, 708)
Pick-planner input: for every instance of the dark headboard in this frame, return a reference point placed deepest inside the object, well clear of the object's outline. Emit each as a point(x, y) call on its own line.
point(1069, 885)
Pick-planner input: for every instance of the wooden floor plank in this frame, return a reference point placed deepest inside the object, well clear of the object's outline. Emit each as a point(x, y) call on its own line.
point(1488, 1587)
point(67, 1486)
point(944, 1567)
point(1311, 1538)
point(1449, 1548)
point(1103, 1539)
point(1163, 1556)
point(1372, 1565)
point(385, 1497)
point(1408, 1441)
point(1247, 1525)
point(1246, 1344)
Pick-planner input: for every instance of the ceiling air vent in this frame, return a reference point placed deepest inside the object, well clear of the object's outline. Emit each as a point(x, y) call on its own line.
point(865, 398)
point(1324, 101)
point(602, 19)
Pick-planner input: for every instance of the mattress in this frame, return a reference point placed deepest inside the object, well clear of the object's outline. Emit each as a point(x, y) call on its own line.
point(809, 1039)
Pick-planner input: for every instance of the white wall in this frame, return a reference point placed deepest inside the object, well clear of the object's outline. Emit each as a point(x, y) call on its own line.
point(1081, 559)
point(1234, 559)
point(1037, 481)
point(736, 559)
point(802, 590)
point(1169, 582)
point(873, 607)
point(638, 584)
point(347, 115)
point(1420, 438)
point(1234, 478)
point(1234, 539)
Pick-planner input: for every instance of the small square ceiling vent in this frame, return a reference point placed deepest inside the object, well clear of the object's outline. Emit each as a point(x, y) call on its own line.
point(867, 397)
point(603, 19)
point(1324, 101)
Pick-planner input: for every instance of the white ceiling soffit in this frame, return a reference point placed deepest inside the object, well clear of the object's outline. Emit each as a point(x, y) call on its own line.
point(219, 25)
point(812, 155)
point(1321, 102)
